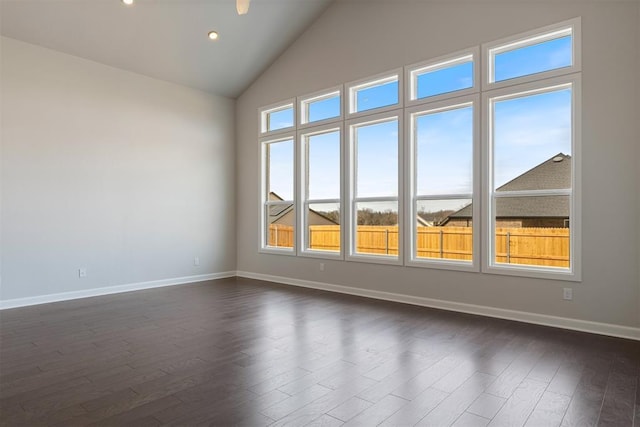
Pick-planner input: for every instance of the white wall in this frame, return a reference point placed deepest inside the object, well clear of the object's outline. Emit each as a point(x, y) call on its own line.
point(127, 176)
point(355, 39)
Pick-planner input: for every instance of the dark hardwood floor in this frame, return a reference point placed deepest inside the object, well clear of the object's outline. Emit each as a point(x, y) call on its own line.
point(244, 352)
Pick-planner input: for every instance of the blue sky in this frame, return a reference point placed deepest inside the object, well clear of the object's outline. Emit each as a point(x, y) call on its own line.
point(533, 59)
point(377, 96)
point(280, 167)
point(445, 80)
point(377, 160)
point(324, 109)
point(324, 166)
point(528, 131)
point(444, 152)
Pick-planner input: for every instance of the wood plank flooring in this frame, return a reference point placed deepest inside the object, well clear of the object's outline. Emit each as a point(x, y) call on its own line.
point(244, 352)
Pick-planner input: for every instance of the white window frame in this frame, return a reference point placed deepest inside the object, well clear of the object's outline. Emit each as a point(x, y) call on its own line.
point(278, 106)
point(351, 199)
point(442, 62)
point(304, 101)
point(353, 87)
point(411, 182)
point(303, 191)
point(265, 202)
point(484, 90)
point(573, 273)
point(529, 38)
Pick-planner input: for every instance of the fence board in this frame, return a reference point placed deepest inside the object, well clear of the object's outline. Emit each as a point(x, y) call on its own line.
point(528, 246)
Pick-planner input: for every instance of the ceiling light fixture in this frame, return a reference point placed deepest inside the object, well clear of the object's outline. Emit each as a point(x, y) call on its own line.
point(213, 35)
point(127, 2)
point(242, 6)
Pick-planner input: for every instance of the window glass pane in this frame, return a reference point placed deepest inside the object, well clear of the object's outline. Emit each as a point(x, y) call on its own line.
point(444, 230)
point(377, 159)
point(532, 142)
point(533, 231)
point(536, 58)
point(377, 228)
point(444, 152)
point(378, 96)
point(444, 80)
point(280, 119)
point(280, 220)
point(323, 109)
point(324, 165)
point(280, 170)
point(323, 222)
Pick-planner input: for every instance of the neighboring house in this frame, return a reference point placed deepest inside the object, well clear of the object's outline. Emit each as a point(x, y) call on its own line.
point(543, 211)
point(284, 215)
point(421, 222)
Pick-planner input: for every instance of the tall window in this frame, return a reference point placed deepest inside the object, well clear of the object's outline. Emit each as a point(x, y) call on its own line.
point(442, 165)
point(532, 209)
point(278, 194)
point(322, 195)
point(443, 169)
point(374, 187)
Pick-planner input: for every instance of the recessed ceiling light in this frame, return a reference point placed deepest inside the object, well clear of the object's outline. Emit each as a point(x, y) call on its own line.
point(213, 35)
point(127, 2)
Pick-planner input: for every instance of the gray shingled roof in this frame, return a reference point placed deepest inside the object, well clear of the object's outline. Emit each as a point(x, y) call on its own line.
point(551, 174)
point(525, 207)
point(278, 211)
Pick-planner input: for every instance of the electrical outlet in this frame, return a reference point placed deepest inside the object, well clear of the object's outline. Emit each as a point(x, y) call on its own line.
point(196, 261)
point(82, 272)
point(322, 266)
point(567, 294)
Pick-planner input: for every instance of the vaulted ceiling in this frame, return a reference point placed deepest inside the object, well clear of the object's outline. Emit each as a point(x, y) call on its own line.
point(166, 39)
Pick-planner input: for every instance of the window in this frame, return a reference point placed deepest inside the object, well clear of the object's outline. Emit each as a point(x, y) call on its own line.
point(320, 107)
point(374, 205)
point(547, 52)
point(473, 169)
point(442, 152)
point(381, 93)
point(278, 216)
point(532, 210)
point(531, 177)
point(277, 118)
point(322, 195)
point(442, 77)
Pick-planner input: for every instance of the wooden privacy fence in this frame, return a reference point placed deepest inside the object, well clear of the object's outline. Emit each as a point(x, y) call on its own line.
point(533, 246)
point(530, 246)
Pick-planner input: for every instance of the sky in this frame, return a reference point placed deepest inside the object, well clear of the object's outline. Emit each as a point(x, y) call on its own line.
point(528, 130)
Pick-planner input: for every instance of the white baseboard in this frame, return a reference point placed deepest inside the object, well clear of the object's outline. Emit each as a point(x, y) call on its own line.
point(65, 296)
point(520, 316)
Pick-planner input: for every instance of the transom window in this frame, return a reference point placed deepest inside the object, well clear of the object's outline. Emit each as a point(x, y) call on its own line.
point(374, 94)
point(325, 106)
point(427, 80)
point(278, 118)
point(549, 52)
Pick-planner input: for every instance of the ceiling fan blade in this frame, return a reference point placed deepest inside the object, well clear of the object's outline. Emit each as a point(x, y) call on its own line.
point(242, 6)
